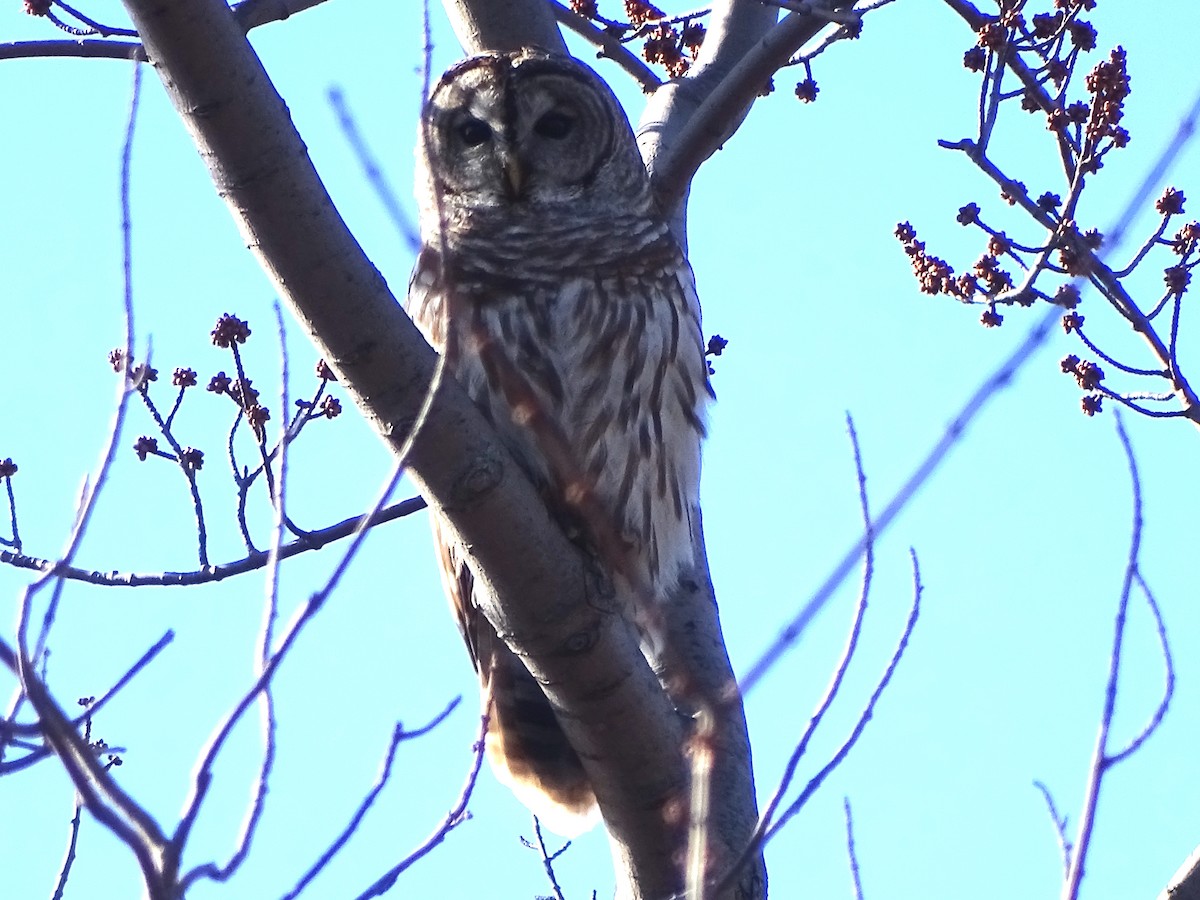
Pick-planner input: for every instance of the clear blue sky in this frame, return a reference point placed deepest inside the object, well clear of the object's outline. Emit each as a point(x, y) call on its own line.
point(1022, 534)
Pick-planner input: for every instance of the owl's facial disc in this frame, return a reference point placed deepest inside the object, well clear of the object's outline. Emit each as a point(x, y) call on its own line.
point(532, 135)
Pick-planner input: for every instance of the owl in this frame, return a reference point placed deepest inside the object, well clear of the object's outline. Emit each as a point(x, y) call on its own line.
point(564, 306)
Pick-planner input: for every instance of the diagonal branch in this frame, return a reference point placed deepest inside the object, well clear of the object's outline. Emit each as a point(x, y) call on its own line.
point(546, 590)
point(504, 25)
point(689, 120)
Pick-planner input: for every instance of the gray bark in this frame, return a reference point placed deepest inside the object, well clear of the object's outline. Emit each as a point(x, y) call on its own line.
point(550, 603)
point(692, 619)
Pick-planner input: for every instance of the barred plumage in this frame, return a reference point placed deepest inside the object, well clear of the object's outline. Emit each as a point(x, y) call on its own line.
point(568, 312)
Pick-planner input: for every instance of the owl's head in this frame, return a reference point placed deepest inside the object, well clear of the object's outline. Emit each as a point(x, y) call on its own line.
point(527, 132)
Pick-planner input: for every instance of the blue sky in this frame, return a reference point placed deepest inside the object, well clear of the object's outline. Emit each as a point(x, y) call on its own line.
point(1022, 534)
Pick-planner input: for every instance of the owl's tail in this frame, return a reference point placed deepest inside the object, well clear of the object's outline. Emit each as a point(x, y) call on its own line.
point(529, 751)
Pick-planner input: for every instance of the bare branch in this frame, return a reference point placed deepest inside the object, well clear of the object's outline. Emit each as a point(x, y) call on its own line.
point(1060, 827)
point(249, 14)
point(854, 872)
point(312, 540)
point(64, 873)
point(253, 13)
point(1102, 759)
point(372, 171)
point(98, 704)
point(998, 379)
point(843, 664)
point(385, 773)
point(202, 780)
point(504, 25)
point(1160, 711)
point(548, 858)
point(102, 797)
point(545, 586)
point(93, 48)
point(868, 711)
point(744, 48)
point(610, 47)
point(455, 817)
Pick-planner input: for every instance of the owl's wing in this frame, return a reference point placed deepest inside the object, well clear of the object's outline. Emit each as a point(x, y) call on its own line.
point(525, 743)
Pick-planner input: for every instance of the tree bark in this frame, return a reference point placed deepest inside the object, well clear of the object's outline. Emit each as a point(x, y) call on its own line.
point(692, 618)
point(552, 606)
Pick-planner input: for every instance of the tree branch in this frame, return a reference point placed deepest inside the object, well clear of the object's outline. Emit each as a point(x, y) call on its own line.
point(504, 25)
point(688, 120)
point(551, 603)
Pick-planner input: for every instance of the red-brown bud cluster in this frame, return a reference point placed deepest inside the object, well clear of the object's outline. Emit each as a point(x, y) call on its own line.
point(145, 446)
point(1177, 279)
point(1169, 204)
point(807, 90)
point(184, 378)
point(192, 459)
point(975, 59)
point(1087, 374)
point(1046, 25)
point(258, 416)
point(1108, 84)
point(230, 330)
point(1067, 296)
point(639, 12)
point(662, 47)
point(1185, 239)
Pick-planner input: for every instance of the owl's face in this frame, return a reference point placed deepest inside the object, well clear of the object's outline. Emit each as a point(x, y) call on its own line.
point(528, 132)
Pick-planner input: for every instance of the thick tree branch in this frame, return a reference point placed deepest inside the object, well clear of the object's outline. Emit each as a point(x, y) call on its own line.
point(688, 120)
point(504, 25)
point(609, 46)
point(553, 608)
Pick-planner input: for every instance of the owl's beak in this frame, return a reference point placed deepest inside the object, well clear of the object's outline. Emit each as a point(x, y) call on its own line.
point(514, 177)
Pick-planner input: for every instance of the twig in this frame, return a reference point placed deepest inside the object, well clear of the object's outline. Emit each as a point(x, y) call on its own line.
point(839, 671)
point(203, 778)
point(372, 171)
point(385, 772)
point(98, 704)
point(102, 797)
point(1102, 760)
point(266, 639)
point(455, 817)
point(549, 858)
point(999, 378)
point(868, 710)
point(60, 885)
point(722, 108)
point(91, 488)
point(610, 47)
point(250, 14)
point(854, 871)
point(1160, 711)
point(313, 540)
point(1060, 827)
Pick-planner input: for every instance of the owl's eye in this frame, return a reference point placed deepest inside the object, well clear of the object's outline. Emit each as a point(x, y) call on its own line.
point(554, 125)
point(473, 132)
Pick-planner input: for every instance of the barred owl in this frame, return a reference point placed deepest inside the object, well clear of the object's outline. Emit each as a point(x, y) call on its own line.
point(550, 281)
